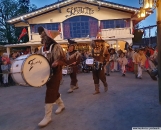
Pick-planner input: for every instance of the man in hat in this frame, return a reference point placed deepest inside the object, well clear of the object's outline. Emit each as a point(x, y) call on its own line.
point(56, 57)
point(101, 56)
point(73, 59)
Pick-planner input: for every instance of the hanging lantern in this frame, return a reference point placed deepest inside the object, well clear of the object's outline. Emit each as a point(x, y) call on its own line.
point(142, 12)
point(148, 4)
point(151, 3)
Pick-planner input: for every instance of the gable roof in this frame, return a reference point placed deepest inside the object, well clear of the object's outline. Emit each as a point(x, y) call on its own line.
point(64, 3)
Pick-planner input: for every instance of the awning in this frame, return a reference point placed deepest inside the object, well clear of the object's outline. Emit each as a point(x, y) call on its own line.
point(24, 44)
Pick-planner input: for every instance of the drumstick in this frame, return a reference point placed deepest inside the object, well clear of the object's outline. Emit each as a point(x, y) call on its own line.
point(69, 64)
point(5, 73)
point(11, 73)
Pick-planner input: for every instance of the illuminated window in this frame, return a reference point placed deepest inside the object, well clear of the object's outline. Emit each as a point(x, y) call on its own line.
point(116, 23)
point(80, 26)
point(49, 26)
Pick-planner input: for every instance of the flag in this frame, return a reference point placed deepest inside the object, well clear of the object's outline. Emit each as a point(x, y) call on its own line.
point(23, 33)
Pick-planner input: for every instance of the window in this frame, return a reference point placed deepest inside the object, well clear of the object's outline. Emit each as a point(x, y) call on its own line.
point(80, 26)
point(116, 23)
point(49, 26)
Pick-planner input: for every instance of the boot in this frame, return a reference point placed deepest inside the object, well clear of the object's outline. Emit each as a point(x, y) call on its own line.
point(8, 85)
point(71, 89)
point(47, 118)
point(96, 89)
point(105, 86)
point(75, 87)
point(61, 82)
point(60, 104)
point(106, 89)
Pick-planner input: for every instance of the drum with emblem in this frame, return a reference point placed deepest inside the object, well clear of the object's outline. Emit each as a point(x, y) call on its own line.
point(31, 70)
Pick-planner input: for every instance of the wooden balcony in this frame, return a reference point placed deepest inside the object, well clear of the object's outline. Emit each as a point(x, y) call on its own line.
point(36, 37)
point(117, 33)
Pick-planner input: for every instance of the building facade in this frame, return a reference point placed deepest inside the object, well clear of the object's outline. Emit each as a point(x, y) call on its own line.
point(81, 20)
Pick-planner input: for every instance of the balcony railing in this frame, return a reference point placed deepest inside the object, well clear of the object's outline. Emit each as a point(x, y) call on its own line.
point(36, 37)
point(106, 33)
point(116, 32)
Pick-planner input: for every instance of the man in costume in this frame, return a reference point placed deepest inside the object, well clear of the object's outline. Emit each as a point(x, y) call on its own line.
point(101, 56)
point(73, 59)
point(56, 57)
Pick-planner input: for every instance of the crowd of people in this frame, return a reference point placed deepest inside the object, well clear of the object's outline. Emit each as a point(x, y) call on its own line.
point(5, 66)
point(131, 60)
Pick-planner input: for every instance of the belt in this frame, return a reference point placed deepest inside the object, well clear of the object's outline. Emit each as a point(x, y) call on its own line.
point(97, 65)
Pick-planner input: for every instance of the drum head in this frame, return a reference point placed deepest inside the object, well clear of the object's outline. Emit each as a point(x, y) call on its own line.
point(36, 70)
point(22, 57)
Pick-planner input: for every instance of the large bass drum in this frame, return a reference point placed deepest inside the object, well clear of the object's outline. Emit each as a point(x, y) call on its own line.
point(30, 70)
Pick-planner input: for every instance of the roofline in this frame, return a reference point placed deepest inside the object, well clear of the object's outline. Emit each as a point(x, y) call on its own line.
point(65, 3)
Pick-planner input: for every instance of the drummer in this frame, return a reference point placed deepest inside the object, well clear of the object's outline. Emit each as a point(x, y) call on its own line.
point(73, 59)
point(56, 57)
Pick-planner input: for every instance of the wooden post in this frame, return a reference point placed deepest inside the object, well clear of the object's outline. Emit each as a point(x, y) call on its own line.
point(8, 50)
point(159, 45)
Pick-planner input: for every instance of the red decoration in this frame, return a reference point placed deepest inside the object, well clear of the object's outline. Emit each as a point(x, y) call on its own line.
point(23, 33)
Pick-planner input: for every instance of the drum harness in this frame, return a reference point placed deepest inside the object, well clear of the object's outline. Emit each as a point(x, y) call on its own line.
point(97, 65)
point(67, 66)
point(45, 54)
point(68, 59)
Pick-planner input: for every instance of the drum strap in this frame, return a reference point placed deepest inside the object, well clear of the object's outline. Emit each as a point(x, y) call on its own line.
point(52, 58)
point(68, 56)
point(52, 47)
point(49, 51)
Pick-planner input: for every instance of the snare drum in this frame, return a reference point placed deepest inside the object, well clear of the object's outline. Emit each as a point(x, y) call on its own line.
point(67, 70)
point(30, 70)
point(89, 61)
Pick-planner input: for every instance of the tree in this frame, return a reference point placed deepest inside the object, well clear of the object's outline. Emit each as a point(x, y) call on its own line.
point(8, 9)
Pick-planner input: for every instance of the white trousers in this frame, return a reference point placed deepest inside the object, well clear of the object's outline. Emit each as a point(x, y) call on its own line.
point(115, 65)
point(123, 69)
point(5, 78)
point(140, 71)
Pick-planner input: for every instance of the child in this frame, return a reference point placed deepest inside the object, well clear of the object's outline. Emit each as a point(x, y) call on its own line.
point(122, 60)
point(141, 58)
point(135, 56)
point(5, 70)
